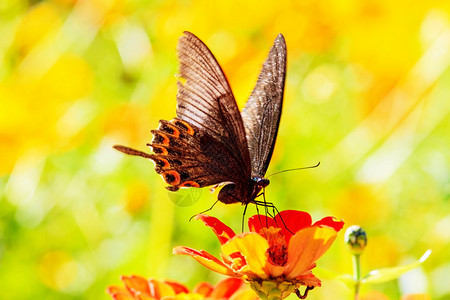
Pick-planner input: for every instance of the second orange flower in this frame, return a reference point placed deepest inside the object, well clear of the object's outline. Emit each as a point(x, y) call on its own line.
point(276, 256)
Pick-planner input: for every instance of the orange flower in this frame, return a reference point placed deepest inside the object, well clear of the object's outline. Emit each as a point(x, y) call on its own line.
point(277, 255)
point(139, 288)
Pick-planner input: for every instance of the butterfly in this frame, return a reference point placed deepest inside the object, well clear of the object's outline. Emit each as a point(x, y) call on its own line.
point(210, 143)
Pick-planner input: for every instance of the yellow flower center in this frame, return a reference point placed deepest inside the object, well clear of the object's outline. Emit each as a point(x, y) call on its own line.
point(277, 245)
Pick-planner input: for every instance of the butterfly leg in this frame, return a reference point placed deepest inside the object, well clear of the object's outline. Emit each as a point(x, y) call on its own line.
point(265, 207)
point(243, 217)
point(257, 213)
point(281, 218)
point(259, 217)
point(268, 205)
point(202, 212)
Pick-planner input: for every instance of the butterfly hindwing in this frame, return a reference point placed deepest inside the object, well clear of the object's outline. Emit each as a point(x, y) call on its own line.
point(183, 156)
point(262, 111)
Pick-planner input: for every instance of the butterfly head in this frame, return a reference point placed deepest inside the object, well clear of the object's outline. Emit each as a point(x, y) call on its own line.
point(260, 181)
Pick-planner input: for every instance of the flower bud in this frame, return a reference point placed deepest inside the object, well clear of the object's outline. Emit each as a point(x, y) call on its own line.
point(356, 239)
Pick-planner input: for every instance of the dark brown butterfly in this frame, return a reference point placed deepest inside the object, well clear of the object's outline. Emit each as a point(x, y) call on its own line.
point(211, 142)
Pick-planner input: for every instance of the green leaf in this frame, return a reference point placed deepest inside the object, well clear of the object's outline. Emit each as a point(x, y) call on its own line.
point(383, 275)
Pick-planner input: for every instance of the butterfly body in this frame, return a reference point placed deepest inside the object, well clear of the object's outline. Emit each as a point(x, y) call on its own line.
point(210, 143)
point(244, 193)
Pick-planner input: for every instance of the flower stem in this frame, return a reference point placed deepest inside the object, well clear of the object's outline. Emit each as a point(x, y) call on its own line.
point(357, 273)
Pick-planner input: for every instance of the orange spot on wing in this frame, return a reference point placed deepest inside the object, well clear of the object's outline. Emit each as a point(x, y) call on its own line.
point(171, 177)
point(176, 132)
point(190, 184)
point(159, 149)
point(166, 140)
point(168, 128)
point(185, 125)
point(161, 162)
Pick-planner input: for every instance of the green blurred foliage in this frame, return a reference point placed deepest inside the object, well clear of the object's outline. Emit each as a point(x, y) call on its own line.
point(366, 95)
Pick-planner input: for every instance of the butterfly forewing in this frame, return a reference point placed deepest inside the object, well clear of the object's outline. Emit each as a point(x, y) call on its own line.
point(262, 112)
point(205, 99)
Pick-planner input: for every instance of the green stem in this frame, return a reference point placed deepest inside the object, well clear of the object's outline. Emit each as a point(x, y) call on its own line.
point(357, 273)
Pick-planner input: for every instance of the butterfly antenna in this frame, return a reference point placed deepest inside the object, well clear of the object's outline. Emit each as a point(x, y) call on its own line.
point(289, 170)
point(202, 212)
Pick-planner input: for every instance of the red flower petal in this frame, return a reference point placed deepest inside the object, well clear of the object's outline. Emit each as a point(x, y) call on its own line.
point(158, 290)
point(205, 259)
point(144, 297)
point(330, 222)
point(122, 296)
point(203, 288)
point(310, 280)
point(290, 221)
point(257, 222)
point(177, 287)
point(226, 287)
point(114, 289)
point(136, 284)
point(222, 231)
point(154, 288)
point(306, 247)
point(119, 293)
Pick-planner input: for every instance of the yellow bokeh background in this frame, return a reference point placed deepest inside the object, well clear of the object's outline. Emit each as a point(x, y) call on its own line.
point(367, 95)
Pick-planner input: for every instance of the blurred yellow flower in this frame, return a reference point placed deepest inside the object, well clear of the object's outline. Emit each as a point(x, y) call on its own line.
point(374, 295)
point(40, 20)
